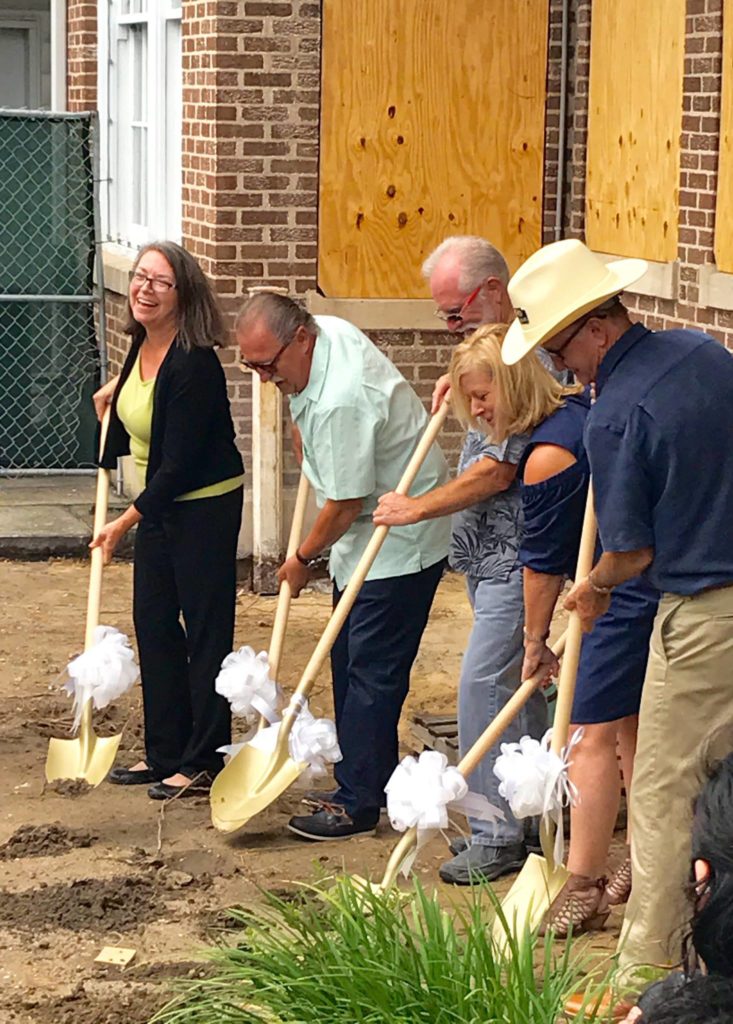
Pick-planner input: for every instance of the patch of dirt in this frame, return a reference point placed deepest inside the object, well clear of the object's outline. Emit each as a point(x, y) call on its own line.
point(168, 970)
point(70, 787)
point(158, 881)
point(114, 904)
point(44, 841)
point(136, 1004)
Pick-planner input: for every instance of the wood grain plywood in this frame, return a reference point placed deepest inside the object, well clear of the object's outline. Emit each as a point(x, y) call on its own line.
point(432, 124)
point(634, 125)
point(724, 202)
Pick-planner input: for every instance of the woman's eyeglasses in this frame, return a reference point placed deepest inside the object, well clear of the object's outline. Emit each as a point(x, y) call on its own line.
point(158, 284)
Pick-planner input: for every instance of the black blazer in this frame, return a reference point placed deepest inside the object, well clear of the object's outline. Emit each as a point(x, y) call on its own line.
point(192, 434)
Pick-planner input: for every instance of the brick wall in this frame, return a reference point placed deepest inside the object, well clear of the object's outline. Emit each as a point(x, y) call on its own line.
point(251, 96)
point(698, 173)
point(81, 58)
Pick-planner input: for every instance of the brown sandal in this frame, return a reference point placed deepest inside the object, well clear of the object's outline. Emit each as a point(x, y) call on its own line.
point(618, 889)
point(581, 905)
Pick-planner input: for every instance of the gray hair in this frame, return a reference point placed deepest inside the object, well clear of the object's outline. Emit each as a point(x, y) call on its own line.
point(476, 258)
point(282, 315)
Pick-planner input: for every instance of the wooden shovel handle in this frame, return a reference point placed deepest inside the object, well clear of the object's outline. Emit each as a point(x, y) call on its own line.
point(495, 729)
point(569, 667)
point(491, 734)
point(342, 609)
point(284, 595)
point(101, 502)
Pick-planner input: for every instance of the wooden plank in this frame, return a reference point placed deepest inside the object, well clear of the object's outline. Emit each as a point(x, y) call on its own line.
point(634, 126)
point(432, 124)
point(724, 203)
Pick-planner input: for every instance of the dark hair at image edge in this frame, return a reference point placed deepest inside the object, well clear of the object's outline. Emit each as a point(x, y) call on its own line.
point(712, 841)
point(200, 320)
point(704, 999)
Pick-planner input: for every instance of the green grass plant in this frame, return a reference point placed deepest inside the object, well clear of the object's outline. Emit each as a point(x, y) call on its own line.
point(344, 956)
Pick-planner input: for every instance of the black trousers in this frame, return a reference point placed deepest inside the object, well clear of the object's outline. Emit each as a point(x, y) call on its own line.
point(185, 567)
point(370, 665)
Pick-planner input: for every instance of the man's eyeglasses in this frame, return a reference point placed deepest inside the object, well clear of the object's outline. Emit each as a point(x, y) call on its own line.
point(269, 367)
point(455, 318)
point(158, 284)
point(557, 352)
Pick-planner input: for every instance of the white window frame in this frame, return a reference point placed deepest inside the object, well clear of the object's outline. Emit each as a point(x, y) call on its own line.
point(32, 23)
point(163, 89)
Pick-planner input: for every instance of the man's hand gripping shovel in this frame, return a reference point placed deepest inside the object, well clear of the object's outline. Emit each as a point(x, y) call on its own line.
point(262, 773)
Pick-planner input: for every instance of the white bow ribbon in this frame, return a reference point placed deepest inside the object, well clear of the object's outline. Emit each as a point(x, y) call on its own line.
point(102, 673)
point(421, 791)
point(312, 741)
point(534, 781)
point(244, 679)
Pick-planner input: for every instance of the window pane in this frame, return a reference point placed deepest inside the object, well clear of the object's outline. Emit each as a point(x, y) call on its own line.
point(173, 117)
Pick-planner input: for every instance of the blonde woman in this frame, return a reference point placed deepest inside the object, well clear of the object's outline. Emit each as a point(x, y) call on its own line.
point(505, 400)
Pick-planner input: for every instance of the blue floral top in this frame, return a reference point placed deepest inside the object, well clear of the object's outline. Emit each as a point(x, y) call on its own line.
point(486, 537)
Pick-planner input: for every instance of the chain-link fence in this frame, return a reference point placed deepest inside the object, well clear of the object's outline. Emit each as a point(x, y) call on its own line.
point(50, 360)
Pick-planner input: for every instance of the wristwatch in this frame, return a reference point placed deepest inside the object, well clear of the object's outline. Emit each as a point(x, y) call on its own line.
point(307, 562)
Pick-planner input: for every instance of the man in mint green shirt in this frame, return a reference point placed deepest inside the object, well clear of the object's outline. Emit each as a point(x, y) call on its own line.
point(359, 422)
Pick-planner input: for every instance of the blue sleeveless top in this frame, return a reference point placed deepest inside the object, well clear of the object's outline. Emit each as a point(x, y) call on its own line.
point(553, 509)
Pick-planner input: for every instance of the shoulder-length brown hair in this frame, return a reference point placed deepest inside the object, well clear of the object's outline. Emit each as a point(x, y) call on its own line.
point(200, 320)
point(526, 393)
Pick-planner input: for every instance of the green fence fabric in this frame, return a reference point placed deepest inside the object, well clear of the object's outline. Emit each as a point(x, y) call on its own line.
point(49, 355)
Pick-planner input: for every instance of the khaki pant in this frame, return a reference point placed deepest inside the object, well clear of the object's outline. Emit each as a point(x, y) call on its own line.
point(687, 696)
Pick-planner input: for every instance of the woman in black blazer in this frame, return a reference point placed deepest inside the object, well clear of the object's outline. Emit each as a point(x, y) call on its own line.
point(170, 411)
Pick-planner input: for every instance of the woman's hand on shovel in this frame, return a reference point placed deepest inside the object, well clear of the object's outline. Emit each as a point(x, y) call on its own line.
point(440, 392)
point(110, 535)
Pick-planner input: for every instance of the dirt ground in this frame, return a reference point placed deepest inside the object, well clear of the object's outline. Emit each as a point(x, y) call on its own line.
point(80, 870)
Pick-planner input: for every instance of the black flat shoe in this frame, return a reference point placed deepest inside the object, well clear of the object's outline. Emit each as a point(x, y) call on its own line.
point(127, 777)
point(199, 787)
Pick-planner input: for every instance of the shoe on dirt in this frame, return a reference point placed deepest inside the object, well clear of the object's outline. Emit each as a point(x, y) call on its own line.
point(479, 863)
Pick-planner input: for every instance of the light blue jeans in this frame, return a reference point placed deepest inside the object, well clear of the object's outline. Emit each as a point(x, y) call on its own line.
point(490, 673)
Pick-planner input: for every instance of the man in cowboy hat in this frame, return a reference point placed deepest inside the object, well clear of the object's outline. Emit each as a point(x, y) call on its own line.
point(659, 443)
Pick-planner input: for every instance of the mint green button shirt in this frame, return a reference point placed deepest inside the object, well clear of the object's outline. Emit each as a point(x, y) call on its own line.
point(360, 422)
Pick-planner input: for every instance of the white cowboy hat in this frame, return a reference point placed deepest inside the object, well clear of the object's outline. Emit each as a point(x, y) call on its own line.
point(555, 286)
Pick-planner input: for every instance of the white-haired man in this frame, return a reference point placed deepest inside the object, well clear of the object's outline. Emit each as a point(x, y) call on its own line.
point(468, 280)
point(659, 443)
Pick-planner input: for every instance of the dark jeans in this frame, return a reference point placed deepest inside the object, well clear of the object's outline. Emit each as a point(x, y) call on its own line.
point(370, 664)
point(185, 565)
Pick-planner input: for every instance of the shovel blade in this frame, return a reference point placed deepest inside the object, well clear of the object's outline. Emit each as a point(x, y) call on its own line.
point(73, 759)
point(529, 899)
point(249, 784)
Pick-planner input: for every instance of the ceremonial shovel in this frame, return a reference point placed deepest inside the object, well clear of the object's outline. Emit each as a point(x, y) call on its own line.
point(493, 732)
point(541, 879)
point(264, 774)
point(88, 756)
point(232, 780)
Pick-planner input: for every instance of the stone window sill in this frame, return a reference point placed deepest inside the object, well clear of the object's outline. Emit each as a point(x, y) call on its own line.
point(660, 280)
point(378, 314)
point(716, 288)
point(117, 262)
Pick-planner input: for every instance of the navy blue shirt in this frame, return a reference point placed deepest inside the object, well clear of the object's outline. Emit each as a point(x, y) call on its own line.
point(660, 443)
point(553, 509)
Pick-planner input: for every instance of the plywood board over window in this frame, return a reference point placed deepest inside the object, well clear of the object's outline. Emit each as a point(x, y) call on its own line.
point(432, 124)
point(724, 203)
point(634, 125)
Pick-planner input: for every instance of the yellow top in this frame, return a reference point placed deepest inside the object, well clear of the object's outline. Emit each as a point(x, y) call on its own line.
point(135, 409)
